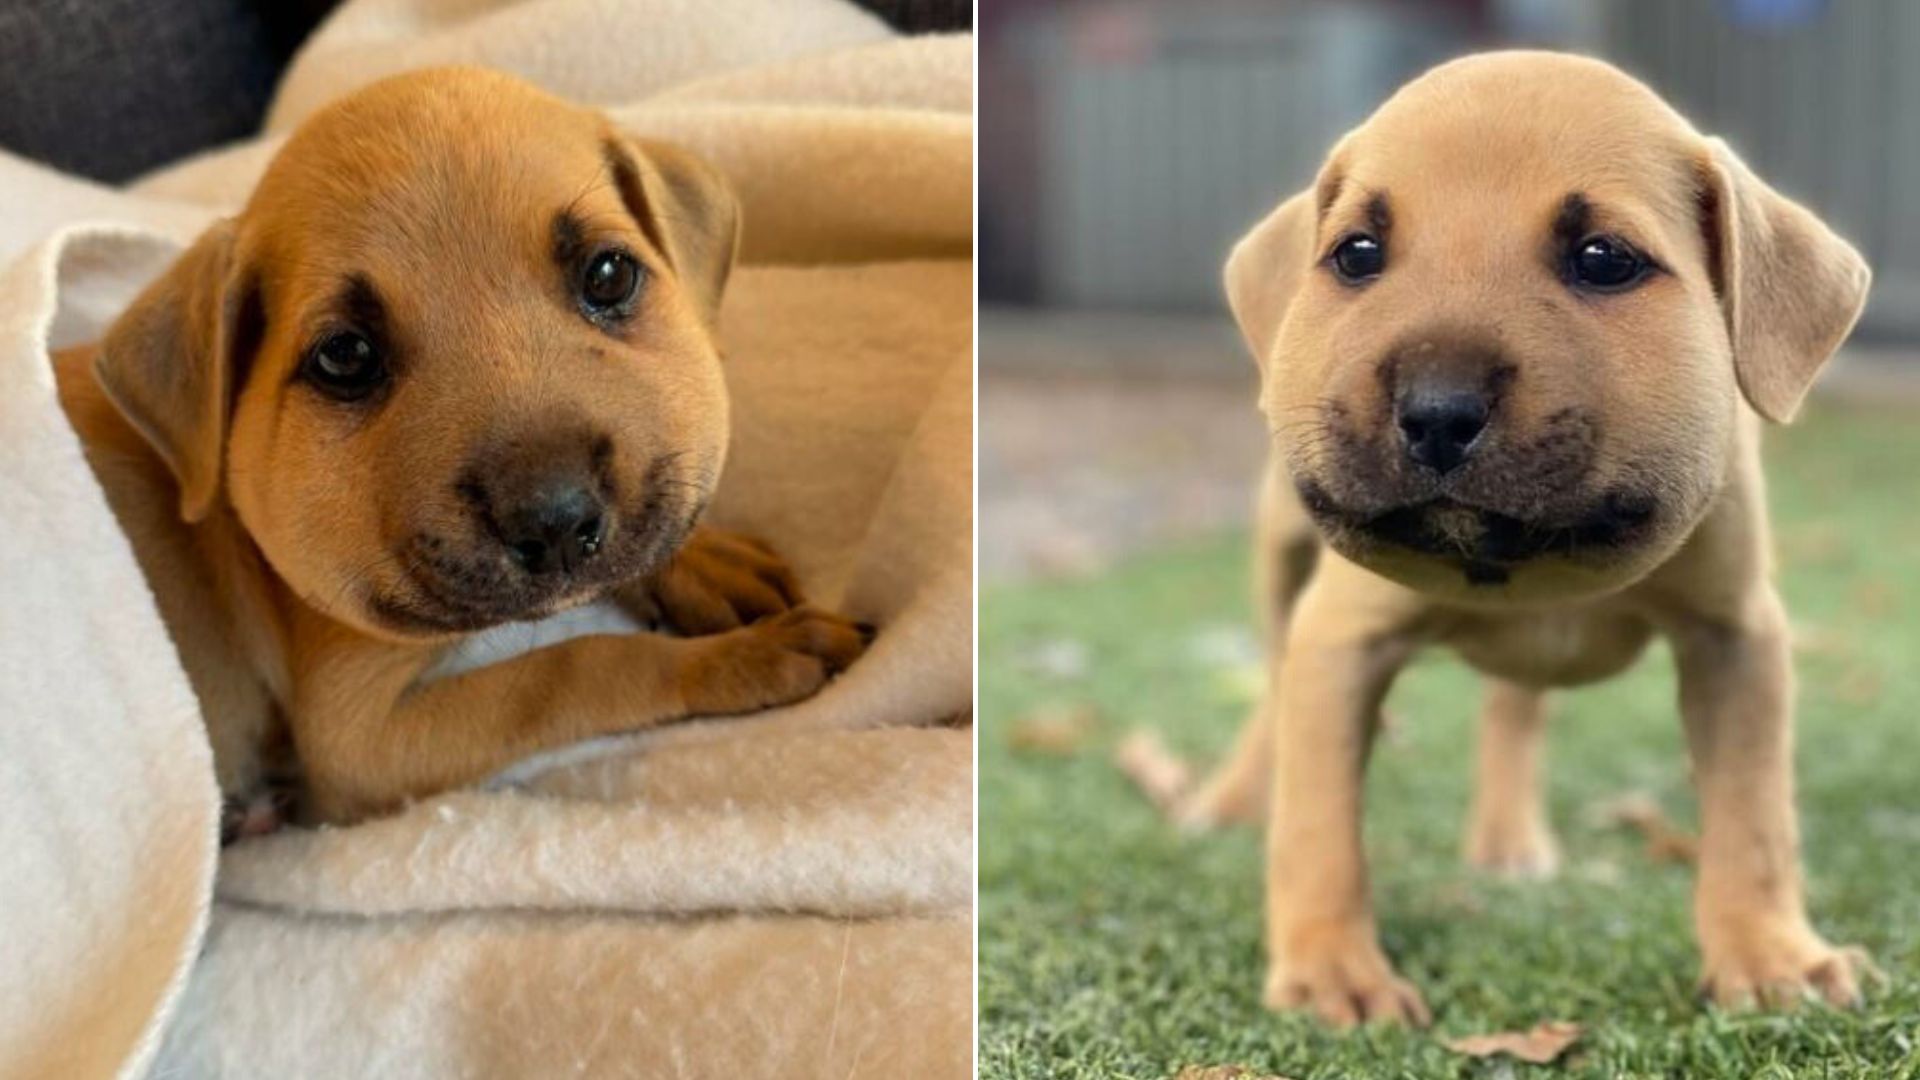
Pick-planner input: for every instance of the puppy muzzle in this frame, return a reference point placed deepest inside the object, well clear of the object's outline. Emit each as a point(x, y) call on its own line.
point(540, 540)
point(1446, 481)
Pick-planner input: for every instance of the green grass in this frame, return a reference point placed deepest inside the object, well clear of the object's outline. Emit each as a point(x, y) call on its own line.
point(1111, 946)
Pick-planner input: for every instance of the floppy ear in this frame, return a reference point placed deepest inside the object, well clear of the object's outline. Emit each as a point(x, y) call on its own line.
point(689, 212)
point(1265, 270)
point(168, 362)
point(1791, 289)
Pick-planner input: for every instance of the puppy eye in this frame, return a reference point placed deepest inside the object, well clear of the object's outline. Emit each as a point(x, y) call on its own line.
point(609, 282)
point(345, 366)
point(1359, 258)
point(1606, 263)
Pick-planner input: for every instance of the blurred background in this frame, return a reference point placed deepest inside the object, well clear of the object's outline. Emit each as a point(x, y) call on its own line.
point(1130, 143)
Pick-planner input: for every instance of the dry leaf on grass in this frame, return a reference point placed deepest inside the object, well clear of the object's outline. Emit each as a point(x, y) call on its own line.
point(1223, 1072)
point(1160, 776)
point(1541, 1045)
point(1060, 730)
point(1666, 842)
point(1672, 846)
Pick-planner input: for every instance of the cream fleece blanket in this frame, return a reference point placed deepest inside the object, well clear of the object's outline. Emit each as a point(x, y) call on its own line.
point(782, 896)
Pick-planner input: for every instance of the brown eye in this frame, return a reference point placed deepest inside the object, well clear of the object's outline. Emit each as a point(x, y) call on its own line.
point(1606, 264)
point(346, 366)
point(609, 282)
point(1359, 258)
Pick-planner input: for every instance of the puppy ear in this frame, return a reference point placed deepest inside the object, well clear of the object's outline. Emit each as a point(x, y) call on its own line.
point(168, 363)
point(1265, 270)
point(1791, 290)
point(689, 212)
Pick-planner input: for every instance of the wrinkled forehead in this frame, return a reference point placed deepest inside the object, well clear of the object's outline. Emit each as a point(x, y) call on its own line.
point(436, 204)
point(1495, 158)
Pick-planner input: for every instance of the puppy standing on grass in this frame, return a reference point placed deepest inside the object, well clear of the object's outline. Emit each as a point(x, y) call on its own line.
point(1516, 342)
point(452, 366)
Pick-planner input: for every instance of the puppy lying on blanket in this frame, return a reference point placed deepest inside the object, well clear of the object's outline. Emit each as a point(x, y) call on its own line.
point(1516, 342)
point(452, 366)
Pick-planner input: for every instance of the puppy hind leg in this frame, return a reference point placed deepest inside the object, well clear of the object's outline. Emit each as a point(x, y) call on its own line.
point(1507, 831)
point(1237, 790)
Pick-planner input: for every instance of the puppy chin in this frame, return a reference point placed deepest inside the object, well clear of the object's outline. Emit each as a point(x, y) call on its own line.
point(419, 617)
point(1478, 556)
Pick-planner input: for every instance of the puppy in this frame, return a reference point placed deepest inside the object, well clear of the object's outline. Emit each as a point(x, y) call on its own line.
point(1516, 343)
point(452, 366)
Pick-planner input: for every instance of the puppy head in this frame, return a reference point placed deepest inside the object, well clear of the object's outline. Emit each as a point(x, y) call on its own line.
point(453, 364)
point(1505, 335)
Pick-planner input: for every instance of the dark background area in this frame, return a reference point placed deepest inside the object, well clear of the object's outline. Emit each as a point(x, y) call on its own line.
point(110, 89)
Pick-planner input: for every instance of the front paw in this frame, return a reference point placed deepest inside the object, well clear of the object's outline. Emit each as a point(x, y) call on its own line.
point(775, 661)
point(1777, 965)
point(1337, 973)
point(719, 580)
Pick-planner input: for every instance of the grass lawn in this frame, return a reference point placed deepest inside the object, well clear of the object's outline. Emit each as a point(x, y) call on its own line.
point(1112, 946)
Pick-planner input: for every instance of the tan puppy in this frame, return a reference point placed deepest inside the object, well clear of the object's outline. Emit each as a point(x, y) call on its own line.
point(452, 366)
point(1516, 342)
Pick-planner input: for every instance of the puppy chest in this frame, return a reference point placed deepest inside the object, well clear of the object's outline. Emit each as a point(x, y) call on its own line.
point(1551, 649)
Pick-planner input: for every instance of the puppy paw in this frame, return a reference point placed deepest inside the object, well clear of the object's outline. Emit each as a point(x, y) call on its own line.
point(1513, 845)
point(1221, 801)
point(775, 661)
point(718, 581)
point(1340, 976)
point(1779, 969)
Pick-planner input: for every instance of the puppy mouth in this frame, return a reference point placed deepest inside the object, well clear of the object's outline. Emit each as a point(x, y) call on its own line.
point(445, 590)
point(1487, 545)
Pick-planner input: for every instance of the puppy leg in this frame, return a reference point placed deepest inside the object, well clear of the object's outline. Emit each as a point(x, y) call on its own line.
point(1286, 550)
point(1237, 790)
point(370, 743)
point(1324, 950)
point(1756, 943)
point(1507, 830)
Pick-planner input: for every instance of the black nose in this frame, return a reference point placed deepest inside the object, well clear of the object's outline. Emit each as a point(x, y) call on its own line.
point(1442, 423)
point(554, 529)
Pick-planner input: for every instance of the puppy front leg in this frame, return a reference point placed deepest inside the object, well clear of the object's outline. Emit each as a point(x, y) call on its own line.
point(1324, 950)
point(1736, 690)
point(367, 752)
